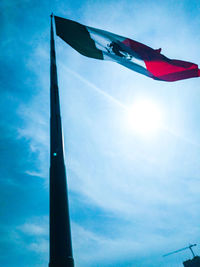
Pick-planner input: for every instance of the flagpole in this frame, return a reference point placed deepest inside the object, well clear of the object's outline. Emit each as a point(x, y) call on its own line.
point(60, 232)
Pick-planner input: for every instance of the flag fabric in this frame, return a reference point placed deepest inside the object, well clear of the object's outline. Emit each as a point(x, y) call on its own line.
point(104, 45)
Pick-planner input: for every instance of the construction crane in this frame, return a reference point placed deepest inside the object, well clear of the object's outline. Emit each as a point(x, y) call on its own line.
point(176, 251)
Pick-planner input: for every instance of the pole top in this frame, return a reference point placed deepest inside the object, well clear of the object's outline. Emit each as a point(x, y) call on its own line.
point(51, 15)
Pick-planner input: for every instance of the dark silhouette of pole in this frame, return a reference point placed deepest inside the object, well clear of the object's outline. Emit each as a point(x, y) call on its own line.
point(60, 233)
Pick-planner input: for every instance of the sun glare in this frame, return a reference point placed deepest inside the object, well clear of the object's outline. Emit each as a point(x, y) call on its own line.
point(144, 117)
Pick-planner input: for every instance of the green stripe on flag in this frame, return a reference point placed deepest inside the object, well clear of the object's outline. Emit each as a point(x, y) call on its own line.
point(78, 37)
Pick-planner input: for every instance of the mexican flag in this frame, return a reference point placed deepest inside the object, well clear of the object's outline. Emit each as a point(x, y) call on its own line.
point(104, 45)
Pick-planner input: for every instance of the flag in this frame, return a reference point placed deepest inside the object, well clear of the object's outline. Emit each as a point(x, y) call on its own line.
point(104, 45)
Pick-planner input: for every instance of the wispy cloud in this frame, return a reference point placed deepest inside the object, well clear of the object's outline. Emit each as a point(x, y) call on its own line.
point(34, 229)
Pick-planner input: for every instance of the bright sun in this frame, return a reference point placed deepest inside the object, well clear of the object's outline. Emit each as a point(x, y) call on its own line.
point(144, 117)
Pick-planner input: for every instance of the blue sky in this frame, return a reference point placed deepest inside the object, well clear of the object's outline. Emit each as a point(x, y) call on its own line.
point(133, 197)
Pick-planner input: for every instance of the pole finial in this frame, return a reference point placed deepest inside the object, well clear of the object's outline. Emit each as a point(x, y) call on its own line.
point(51, 15)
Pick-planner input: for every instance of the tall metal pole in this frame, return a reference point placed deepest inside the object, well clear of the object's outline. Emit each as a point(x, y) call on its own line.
point(60, 233)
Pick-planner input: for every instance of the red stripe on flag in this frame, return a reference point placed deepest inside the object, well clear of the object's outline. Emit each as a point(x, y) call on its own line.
point(162, 67)
point(181, 75)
